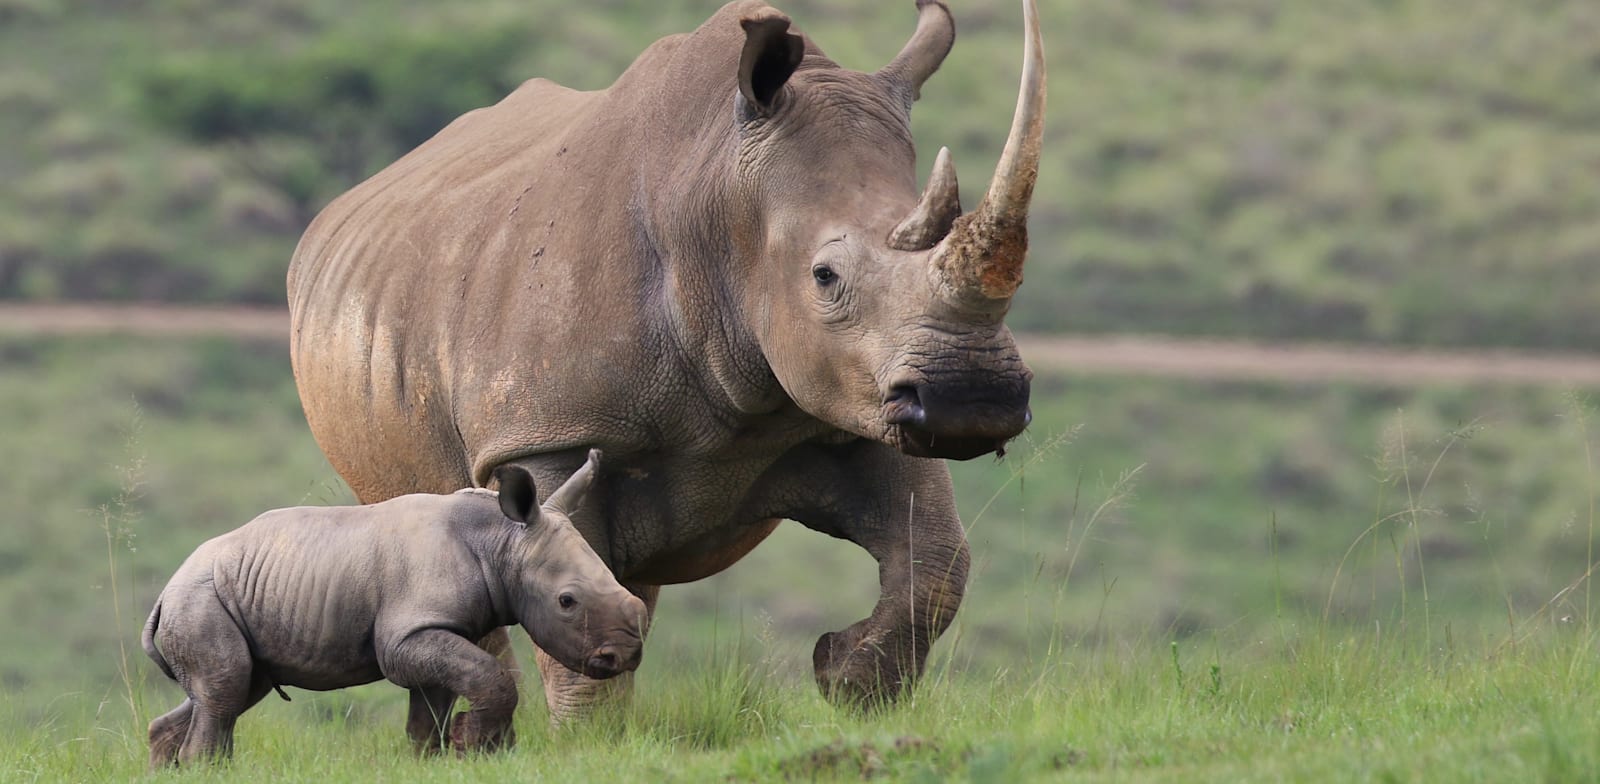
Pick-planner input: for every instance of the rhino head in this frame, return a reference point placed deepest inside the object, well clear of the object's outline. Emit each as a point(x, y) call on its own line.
point(878, 310)
point(565, 597)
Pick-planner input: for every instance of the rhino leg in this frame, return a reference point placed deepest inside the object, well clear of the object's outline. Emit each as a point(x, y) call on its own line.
point(573, 697)
point(433, 659)
point(211, 730)
point(211, 661)
point(902, 511)
point(167, 733)
point(498, 644)
point(428, 718)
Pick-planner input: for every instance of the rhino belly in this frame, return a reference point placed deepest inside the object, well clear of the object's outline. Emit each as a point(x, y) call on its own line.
point(704, 556)
point(321, 673)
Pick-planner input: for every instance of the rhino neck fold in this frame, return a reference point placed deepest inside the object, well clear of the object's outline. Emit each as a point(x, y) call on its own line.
point(694, 228)
point(506, 553)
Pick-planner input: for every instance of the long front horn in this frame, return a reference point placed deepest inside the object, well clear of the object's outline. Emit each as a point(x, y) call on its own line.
point(921, 56)
point(936, 213)
point(983, 254)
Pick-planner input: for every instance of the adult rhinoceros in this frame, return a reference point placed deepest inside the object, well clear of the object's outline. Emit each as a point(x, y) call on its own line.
point(719, 271)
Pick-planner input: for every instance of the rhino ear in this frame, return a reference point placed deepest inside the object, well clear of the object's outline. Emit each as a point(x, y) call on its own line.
point(771, 53)
point(518, 500)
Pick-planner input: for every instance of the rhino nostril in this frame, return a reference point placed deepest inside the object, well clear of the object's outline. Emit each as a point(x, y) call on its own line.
point(903, 406)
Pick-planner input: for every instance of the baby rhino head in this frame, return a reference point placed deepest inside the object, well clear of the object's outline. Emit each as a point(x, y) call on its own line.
point(570, 603)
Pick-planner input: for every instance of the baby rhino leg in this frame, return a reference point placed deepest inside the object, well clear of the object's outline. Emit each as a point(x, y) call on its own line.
point(167, 733)
point(438, 661)
point(212, 663)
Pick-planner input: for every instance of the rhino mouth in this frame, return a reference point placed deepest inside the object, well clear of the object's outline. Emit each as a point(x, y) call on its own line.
point(970, 429)
point(600, 673)
point(921, 443)
point(610, 661)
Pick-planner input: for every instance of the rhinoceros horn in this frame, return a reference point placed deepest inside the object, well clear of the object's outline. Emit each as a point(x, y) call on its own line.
point(981, 257)
point(921, 55)
point(935, 213)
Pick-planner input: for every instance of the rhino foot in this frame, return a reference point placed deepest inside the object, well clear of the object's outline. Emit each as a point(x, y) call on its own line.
point(470, 733)
point(166, 736)
point(865, 669)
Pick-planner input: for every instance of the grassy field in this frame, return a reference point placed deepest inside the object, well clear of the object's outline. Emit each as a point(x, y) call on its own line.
point(1320, 708)
point(1355, 582)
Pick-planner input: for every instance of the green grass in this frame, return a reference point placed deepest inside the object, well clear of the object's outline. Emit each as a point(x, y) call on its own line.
point(1219, 478)
point(1360, 583)
point(1335, 708)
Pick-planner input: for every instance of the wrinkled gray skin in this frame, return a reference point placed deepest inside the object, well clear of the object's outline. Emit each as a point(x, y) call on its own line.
point(329, 597)
point(720, 271)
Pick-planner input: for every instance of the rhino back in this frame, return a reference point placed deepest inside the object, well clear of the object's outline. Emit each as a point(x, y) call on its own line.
point(318, 590)
point(389, 284)
point(504, 290)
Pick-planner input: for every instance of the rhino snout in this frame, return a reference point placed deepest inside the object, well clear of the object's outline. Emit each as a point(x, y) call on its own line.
point(957, 419)
point(612, 659)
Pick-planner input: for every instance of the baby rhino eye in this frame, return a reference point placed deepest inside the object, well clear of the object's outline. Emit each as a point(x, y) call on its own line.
point(566, 601)
point(823, 273)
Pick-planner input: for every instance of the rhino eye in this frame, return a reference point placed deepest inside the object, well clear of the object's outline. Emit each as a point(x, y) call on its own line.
point(566, 601)
point(824, 274)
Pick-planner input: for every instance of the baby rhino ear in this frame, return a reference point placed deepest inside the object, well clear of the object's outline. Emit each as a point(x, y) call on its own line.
point(517, 497)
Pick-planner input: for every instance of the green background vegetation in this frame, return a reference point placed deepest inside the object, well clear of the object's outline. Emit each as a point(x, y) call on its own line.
point(1360, 582)
point(1418, 171)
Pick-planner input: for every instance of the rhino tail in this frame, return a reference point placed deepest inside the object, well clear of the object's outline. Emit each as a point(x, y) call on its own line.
point(149, 640)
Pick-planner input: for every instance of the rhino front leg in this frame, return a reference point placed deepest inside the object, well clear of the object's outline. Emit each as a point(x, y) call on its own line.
point(498, 644)
point(427, 722)
point(436, 661)
point(429, 718)
point(902, 511)
point(573, 697)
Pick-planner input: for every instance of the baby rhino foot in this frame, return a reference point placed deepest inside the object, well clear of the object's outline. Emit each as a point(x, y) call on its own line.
point(469, 733)
point(430, 744)
point(167, 734)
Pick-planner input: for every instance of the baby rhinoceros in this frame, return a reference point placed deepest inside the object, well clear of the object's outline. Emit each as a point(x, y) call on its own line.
point(328, 597)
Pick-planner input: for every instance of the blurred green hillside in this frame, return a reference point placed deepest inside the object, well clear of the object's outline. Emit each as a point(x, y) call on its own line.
point(1417, 171)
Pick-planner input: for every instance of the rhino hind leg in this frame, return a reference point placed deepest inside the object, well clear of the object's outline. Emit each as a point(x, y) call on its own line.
point(167, 733)
point(571, 696)
point(210, 726)
point(211, 661)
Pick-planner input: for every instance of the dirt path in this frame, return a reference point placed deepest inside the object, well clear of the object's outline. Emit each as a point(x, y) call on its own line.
point(1111, 355)
point(145, 321)
point(1301, 362)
